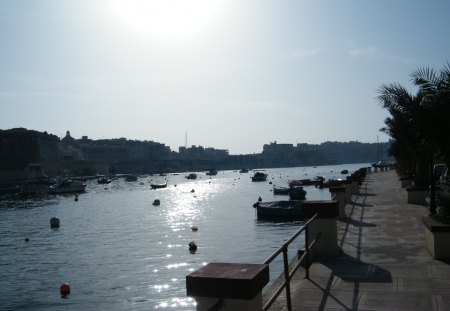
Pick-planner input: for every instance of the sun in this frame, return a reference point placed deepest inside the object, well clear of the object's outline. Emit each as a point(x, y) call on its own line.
point(169, 21)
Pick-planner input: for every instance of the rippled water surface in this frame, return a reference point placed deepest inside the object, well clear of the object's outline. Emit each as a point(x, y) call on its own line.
point(119, 252)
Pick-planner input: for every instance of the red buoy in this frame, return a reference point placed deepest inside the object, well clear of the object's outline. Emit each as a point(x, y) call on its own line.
point(64, 289)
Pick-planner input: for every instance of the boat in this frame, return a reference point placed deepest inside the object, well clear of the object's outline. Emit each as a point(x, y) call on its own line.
point(297, 193)
point(103, 180)
point(67, 185)
point(158, 186)
point(131, 178)
point(295, 183)
point(156, 202)
point(319, 179)
point(243, 170)
point(191, 176)
point(281, 190)
point(330, 183)
point(259, 176)
point(212, 172)
point(344, 172)
point(382, 163)
point(10, 188)
point(279, 210)
point(294, 192)
point(303, 182)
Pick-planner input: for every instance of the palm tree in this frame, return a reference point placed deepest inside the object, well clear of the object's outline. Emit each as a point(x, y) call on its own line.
point(401, 144)
point(420, 124)
point(405, 127)
point(435, 91)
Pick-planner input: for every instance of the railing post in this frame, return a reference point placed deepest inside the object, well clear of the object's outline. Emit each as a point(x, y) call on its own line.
point(288, 279)
point(307, 252)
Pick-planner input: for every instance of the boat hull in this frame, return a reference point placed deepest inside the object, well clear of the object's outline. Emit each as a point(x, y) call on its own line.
point(280, 210)
point(158, 186)
point(281, 190)
point(74, 189)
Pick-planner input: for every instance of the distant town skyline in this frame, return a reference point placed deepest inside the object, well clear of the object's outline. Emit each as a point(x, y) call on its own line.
point(231, 74)
point(176, 149)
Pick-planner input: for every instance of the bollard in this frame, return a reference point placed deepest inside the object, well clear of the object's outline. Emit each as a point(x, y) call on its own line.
point(228, 286)
point(348, 191)
point(353, 184)
point(338, 194)
point(326, 223)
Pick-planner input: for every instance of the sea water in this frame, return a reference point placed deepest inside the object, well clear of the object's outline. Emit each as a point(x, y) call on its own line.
point(119, 252)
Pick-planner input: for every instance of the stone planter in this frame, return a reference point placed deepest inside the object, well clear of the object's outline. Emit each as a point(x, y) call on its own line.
point(437, 238)
point(417, 195)
point(406, 182)
point(228, 286)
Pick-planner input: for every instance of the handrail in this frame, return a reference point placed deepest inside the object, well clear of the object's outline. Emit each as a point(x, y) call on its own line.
point(289, 274)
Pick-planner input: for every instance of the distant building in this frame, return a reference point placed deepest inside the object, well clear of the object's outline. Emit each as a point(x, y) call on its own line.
point(27, 154)
point(107, 156)
point(275, 148)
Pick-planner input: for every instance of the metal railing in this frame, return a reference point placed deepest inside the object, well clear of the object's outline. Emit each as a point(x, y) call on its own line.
point(286, 284)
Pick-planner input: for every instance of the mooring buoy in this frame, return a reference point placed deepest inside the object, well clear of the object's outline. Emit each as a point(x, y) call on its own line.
point(192, 247)
point(54, 222)
point(64, 289)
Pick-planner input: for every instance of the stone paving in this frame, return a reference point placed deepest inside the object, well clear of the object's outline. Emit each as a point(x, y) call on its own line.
point(384, 265)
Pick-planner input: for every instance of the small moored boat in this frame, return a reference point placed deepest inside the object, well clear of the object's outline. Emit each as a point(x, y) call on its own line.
point(303, 182)
point(67, 186)
point(281, 190)
point(259, 176)
point(330, 183)
point(279, 210)
point(297, 193)
point(103, 180)
point(131, 178)
point(212, 172)
point(191, 176)
point(158, 186)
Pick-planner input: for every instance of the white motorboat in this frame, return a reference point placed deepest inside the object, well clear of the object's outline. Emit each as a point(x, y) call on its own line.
point(67, 186)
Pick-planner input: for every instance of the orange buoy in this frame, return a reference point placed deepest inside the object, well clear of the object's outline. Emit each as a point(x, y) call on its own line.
point(64, 289)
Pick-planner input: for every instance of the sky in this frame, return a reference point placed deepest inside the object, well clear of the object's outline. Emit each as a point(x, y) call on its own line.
point(228, 74)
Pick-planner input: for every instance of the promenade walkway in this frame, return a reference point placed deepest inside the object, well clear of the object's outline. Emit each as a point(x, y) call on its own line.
point(384, 265)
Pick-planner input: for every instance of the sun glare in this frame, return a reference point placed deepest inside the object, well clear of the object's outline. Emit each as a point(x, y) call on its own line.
point(170, 21)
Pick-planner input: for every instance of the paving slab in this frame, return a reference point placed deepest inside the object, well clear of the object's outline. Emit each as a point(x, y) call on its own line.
point(398, 301)
point(443, 302)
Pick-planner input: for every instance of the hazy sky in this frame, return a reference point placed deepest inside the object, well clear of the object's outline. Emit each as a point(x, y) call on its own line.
point(233, 74)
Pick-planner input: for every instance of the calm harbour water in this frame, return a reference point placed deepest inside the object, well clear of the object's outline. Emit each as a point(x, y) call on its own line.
point(119, 252)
